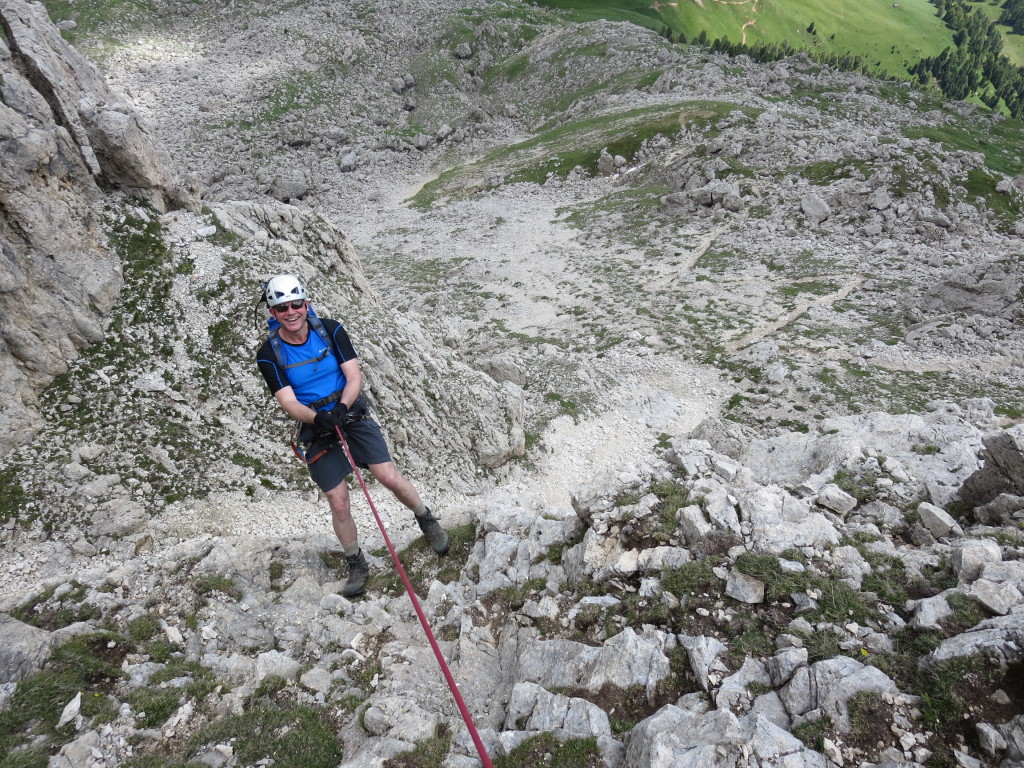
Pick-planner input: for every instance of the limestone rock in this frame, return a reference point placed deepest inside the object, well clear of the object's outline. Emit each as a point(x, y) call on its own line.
point(23, 649)
point(1003, 469)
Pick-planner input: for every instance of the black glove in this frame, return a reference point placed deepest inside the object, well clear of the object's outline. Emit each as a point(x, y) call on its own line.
point(326, 421)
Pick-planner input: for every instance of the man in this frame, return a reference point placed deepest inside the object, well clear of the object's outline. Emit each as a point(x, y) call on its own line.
point(312, 370)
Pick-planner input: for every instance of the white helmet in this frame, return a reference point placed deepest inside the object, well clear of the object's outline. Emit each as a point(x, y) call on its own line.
point(282, 288)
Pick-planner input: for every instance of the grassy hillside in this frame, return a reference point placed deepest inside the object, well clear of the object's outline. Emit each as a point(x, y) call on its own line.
point(887, 35)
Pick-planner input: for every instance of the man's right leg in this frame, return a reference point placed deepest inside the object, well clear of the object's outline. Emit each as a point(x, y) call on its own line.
point(345, 530)
point(341, 517)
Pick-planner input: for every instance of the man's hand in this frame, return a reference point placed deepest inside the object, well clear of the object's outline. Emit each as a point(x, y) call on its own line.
point(328, 420)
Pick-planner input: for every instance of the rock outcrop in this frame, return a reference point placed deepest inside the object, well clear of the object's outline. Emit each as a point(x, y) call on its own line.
point(66, 142)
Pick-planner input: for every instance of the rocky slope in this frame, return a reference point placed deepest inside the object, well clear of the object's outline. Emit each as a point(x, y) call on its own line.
point(689, 287)
point(804, 603)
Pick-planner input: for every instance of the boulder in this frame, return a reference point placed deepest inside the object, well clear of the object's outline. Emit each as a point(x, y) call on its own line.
point(23, 649)
point(814, 208)
point(1002, 471)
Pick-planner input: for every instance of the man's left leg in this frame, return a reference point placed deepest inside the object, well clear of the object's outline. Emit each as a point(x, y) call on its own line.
point(389, 476)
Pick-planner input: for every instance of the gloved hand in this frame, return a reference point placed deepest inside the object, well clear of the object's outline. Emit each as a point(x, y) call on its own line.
point(326, 421)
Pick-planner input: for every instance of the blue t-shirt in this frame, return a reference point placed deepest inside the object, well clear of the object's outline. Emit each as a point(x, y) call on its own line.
point(311, 369)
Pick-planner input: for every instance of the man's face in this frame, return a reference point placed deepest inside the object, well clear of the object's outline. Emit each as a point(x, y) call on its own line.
point(291, 315)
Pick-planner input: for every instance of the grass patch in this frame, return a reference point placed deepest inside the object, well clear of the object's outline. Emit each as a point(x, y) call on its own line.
point(430, 754)
point(545, 749)
point(422, 566)
point(290, 736)
point(88, 664)
point(210, 584)
point(558, 150)
point(997, 141)
point(152, 706)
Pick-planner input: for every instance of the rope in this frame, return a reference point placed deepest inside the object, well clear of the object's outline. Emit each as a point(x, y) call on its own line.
point(452, 686)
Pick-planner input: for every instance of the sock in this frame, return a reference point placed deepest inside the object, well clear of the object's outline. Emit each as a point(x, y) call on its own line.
point(351, 550)
point(421, 510)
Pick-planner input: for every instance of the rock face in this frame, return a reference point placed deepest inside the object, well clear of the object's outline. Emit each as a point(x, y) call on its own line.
point(64, 138)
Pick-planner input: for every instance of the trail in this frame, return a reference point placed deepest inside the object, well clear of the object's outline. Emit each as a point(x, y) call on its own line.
point(766, 330)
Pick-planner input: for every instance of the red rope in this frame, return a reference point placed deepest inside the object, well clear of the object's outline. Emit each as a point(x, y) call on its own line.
point(466, 716)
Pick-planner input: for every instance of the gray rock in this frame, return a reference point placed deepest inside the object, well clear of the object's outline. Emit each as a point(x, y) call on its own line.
point(703, 653)
point(835, 498)
point(744, 588)
point(1001, 637)
point(938, 522)
point(23, 649)
point(930, 612)
point(784, 664)
point(673, 736)
point(276, 663)
point(118, 518)
point(349, 162)
point(1001, 510)
point(1003, 468)
point(992, 742)
point(814, 208)
point(827, 685)
point(769, 706)
point(80, 753)
point(734, 692)
point(532, 708)
point(971, 555)
point(998, 598)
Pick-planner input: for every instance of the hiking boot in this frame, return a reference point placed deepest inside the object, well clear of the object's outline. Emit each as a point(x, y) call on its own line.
point(434, 533)
point(358, 572)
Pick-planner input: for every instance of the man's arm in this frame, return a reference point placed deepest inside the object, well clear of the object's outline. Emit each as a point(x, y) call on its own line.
point(288, 402)
point(353, 382)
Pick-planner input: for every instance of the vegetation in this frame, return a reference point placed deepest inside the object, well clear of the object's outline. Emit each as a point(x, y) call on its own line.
point(544, 749)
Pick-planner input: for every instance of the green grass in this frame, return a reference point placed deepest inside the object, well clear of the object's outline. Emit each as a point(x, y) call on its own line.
point(209, 584)
point(87, 664)
point(558, 150)
point(292, 736)
point(544, 749)
point(430, 754)
point(152, 706)
point(997, 141)
point(885, 36)
point(95, 19)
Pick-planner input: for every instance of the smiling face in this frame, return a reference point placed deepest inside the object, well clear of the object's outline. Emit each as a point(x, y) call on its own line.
point(292, 317)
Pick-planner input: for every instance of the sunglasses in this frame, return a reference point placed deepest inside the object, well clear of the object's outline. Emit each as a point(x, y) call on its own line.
point(293, 305)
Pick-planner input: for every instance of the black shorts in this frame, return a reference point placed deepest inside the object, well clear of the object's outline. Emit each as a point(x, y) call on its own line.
point(367, 444)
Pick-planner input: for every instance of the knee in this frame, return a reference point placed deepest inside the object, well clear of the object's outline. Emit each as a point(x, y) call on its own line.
point(388, 476)
point(339, 502)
